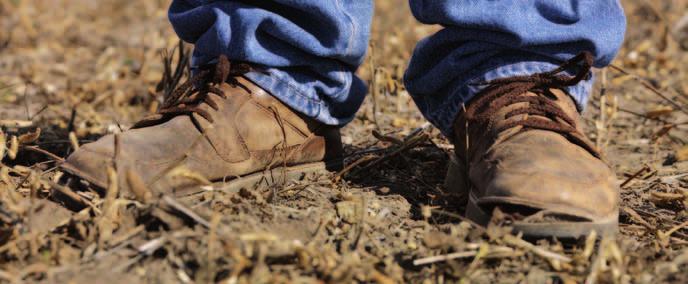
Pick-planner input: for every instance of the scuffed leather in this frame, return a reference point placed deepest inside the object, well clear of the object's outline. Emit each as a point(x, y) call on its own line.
point(251, 131)
point(535, 168)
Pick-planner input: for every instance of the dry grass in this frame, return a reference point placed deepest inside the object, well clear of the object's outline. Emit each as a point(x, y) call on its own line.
point(80, 69)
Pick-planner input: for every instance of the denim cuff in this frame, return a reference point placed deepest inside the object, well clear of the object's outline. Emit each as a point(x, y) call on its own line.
point(287, 93)
point(444, 115)
point(305, 100)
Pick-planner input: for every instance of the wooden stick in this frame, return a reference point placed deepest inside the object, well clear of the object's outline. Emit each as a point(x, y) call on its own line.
point(69, 193)
point(636, 217)
point(16, 123)
point(185, 210)
point(44, 152)
point(647, 85)
point(512, 240)
point(445, 257)
point(497, 251)
point(633, 176)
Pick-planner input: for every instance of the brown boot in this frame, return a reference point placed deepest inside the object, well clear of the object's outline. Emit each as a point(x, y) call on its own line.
point(520, 148)
point(219, 126)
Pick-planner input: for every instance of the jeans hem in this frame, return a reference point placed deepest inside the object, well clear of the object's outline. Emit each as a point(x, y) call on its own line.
point(291, 95)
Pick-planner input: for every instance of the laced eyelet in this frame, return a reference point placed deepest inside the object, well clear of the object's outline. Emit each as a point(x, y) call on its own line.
point(503, 92)
point(188, 97)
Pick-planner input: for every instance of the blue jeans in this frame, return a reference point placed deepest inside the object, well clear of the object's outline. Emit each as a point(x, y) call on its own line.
point(311, 48)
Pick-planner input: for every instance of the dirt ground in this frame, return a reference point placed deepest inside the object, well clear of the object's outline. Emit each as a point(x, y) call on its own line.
point(73, 70)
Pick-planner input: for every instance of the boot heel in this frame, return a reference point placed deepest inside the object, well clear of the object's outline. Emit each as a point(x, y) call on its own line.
point(456, 180)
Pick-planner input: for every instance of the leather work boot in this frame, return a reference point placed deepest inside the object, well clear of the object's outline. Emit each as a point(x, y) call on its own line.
point(519, 148)
point(219, 126)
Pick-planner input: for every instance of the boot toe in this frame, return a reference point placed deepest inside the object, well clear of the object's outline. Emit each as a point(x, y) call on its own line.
point(91, 160)
point(542, 181)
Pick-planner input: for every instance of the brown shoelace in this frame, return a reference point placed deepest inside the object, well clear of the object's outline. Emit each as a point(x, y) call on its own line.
point(507, 91)
point(189, 96)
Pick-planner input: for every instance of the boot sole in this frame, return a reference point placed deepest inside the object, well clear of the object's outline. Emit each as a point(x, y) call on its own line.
point(280, 175)
point(561, 230)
